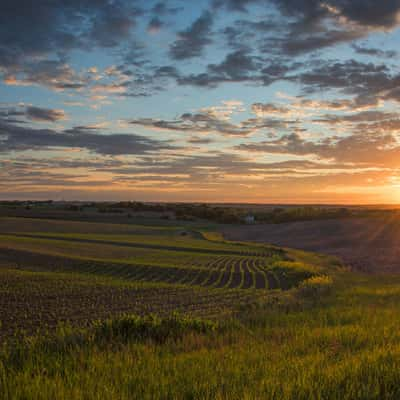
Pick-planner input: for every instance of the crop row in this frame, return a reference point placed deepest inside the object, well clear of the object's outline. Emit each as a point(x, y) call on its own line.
point(227, 272)
point(40, 300)
point(140, 242)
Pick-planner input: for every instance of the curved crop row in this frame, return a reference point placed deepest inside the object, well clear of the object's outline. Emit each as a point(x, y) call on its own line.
point(220, 271)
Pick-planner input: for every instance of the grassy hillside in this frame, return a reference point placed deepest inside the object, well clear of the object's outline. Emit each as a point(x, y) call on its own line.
point(317, 332)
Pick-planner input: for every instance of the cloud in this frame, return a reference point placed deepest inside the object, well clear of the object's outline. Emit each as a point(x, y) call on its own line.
point(307, 26)
point(12, 114)
point(318, 25)
point(225, 110)
point(233, 5)
point(44, 27)
point(221, 170)
point(350, 105)
point(195, 122)
point(300, 107)
point(55, 74)
point(33, 113)
point(238, 66)
point(367, 13)
point(44, 114)
point(368, 81)
point(176, 170)
point(262, 110)
point(293, 45)
point(37, 39)
point(372, 51)
point(193, 40)
point(365, 116)
point(161, 8)
point(366, 149)
point(18, 138)
point(200, 140)
point(35, 47)
point(112, 23)
point(212, 120)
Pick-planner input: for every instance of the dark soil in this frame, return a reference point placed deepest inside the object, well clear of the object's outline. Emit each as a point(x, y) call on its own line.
point(365, 244)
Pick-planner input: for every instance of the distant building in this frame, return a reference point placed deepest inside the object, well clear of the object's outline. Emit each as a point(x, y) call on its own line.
point(249, 219)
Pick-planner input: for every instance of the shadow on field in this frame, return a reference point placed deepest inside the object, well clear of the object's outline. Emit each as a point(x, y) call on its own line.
point(365, 244)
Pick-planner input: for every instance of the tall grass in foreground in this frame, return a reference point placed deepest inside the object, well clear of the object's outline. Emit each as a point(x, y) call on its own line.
point(345, 347)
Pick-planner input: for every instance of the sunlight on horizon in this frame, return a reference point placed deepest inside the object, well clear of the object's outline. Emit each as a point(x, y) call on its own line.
point(239, 101)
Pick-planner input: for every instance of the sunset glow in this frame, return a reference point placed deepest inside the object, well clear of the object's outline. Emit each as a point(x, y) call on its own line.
point(261, 101)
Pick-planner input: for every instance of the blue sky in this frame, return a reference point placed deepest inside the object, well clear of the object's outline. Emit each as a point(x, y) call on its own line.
point(219, 100)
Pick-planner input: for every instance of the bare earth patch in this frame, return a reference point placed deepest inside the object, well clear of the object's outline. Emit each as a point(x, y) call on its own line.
point(365, 244)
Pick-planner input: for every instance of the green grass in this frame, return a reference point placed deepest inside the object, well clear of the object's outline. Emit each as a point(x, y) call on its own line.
point(189, 242)
point(142, 226)
point(333, 334)
point(105, 252)
point(346, 346)
point(161, 258)
point(38, 301)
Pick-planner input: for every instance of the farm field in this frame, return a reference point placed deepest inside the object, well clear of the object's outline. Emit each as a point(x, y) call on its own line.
point(32, 302)
point(94, 310)
point(55, 272)
point(366, 244)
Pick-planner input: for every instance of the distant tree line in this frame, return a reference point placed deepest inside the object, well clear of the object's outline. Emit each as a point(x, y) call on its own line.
point(226, 214)
point(185, 211)
point(231, 214)
point(306, 213)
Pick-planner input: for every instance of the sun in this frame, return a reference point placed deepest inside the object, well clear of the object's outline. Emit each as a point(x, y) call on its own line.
point(392, 194)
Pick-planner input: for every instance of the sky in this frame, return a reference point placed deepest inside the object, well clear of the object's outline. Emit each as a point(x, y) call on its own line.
point(255, 101)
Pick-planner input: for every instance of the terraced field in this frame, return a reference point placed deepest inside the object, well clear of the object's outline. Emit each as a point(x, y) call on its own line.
point(140, 269)
point(215, 265)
